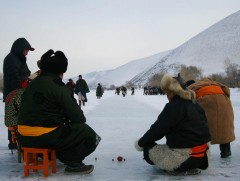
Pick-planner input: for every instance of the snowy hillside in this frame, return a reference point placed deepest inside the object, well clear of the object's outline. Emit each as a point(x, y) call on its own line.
point(124, 73)
point(208, 50)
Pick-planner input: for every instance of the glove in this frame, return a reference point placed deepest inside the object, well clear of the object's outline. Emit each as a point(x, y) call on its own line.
point(138, 148)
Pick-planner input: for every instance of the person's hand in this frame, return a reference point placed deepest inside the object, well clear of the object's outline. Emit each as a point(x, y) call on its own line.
point(138, 148)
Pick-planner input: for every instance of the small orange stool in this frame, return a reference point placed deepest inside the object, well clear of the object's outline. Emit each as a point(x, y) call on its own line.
point(31, 161)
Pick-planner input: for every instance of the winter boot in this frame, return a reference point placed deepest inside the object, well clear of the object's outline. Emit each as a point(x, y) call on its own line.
point(12, 146)
point(79, 168)
point(225, 150)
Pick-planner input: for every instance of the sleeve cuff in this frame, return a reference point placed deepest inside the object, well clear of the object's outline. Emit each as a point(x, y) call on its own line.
point(138, 148)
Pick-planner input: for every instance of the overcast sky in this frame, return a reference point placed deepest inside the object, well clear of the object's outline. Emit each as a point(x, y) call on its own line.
point(104, 34)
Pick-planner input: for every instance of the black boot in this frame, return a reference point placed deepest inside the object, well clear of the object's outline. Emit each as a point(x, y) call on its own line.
point(79, 167)
point(225, 150)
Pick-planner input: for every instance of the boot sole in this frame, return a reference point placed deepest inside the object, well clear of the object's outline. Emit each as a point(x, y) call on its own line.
point(72, 171)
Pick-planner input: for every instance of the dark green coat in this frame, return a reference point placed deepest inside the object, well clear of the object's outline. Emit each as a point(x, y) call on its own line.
point(47, 102)
point(81, 85)
point(99, 91)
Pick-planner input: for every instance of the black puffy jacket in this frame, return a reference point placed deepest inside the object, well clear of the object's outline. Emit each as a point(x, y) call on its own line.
point(15, 68)
point(182, 122)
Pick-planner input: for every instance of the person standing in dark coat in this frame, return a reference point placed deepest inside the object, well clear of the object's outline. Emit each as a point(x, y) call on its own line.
point(71, 85)
point(49, 117)
point(15, 71)
point(81, 90)
point(184, 125)
point(99, 91)
point(133, 90)
point(117, 91)
point(124, 91)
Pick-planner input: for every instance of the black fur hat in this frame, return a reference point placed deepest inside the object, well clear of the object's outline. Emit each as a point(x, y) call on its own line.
point(54, 62)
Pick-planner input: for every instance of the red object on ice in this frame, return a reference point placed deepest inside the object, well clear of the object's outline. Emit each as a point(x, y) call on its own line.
point(119, 158)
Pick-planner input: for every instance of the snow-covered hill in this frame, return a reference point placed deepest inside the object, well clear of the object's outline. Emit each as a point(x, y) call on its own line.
point(208, 50)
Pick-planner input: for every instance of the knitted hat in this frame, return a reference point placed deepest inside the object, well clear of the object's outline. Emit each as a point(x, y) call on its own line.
point(54, 62)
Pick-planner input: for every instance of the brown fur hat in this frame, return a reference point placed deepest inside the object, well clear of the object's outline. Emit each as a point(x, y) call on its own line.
point(172, 84)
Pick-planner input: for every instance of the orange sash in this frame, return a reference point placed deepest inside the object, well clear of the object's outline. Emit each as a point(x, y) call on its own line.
point(33, 130)
point(209, 90)
point(199, 151)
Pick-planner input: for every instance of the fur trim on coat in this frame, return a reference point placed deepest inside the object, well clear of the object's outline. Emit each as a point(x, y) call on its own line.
point(170, 84)
point(166, 158)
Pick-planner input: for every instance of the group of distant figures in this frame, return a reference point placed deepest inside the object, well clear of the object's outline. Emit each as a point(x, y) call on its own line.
point(152, 91)
point(146, 91)
point(81, 89)
point(123, 89)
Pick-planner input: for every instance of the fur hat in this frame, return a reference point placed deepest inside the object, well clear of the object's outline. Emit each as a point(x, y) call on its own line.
point(177, 86)
point(54, 62)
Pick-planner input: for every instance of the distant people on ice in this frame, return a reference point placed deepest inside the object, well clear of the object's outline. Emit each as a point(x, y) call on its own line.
point(214, 98)
point(71, 85)
point(124, 91)
point(99, 91)
point(50, 118)
point(15, 71)
point(133, 90)
point(117, 90)
point(184, 125)
point(81, 89)
point(155, 90)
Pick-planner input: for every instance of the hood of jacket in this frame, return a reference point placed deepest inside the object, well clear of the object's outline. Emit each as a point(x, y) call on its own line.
point(20, 45)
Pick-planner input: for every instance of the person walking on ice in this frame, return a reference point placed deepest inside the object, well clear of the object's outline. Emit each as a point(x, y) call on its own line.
point(81, 89)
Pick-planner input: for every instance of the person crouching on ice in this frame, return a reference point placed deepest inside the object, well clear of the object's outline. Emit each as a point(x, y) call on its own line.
point(49, 117)
point(184, 125)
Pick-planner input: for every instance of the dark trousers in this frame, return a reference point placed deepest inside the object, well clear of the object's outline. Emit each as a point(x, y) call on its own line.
point(9, 136)
point(225, 147)
point(72, 142)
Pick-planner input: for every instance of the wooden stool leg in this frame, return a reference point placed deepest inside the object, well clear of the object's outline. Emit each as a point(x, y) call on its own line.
point(53, 159)
point(45, 163)
point(26, 163)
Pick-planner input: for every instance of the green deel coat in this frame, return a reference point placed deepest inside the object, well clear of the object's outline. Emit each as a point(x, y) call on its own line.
point(47, 102)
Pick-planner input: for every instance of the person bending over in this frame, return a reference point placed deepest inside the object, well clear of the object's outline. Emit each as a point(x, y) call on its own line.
point(184, 125)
